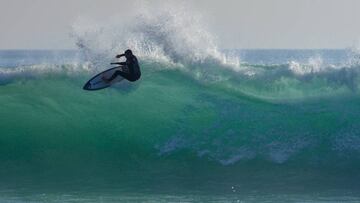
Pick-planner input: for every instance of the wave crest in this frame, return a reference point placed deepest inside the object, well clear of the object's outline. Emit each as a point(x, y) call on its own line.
point(40, 70)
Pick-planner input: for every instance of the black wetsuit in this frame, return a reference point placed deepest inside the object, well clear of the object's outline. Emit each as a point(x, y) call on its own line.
point(134, 70)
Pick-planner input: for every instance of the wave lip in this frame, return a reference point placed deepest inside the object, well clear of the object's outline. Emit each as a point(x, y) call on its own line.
point(41, 70)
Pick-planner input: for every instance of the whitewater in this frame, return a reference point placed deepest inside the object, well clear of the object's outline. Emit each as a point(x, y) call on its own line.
point(203, 124)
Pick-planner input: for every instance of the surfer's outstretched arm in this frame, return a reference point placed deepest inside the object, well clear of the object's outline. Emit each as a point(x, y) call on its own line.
point(120, 55)
point(119, 63)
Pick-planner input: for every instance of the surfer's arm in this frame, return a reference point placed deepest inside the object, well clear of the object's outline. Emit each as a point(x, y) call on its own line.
point(119, 63)
point(120, 55)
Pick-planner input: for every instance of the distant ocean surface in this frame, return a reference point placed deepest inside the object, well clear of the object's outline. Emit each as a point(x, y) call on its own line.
point(201, 125)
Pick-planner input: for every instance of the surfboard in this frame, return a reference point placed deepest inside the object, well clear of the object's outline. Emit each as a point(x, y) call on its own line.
point(97, 82)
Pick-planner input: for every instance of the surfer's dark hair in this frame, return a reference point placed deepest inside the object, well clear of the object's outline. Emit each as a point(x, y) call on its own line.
point(129, 52)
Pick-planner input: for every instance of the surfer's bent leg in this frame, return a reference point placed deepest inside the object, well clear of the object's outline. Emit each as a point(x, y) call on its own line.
point(122, 74)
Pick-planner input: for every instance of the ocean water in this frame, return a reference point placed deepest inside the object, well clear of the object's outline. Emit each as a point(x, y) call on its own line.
point(201, 125)
point(276, 128)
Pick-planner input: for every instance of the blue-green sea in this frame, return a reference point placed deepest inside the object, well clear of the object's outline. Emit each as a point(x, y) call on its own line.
point(278, 126)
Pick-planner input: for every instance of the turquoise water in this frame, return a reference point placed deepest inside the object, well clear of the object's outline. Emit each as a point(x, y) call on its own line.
point(191, 132)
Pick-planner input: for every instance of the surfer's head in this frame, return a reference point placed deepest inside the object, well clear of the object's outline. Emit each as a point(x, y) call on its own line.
point(128, 53)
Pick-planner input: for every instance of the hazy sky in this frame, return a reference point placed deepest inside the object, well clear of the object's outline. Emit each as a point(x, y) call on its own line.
point(46, 24)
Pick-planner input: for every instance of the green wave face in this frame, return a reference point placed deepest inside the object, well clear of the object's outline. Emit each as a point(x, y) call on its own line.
point(176, 129)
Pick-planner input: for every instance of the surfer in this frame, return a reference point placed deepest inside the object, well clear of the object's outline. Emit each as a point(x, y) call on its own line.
point(132, 71)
